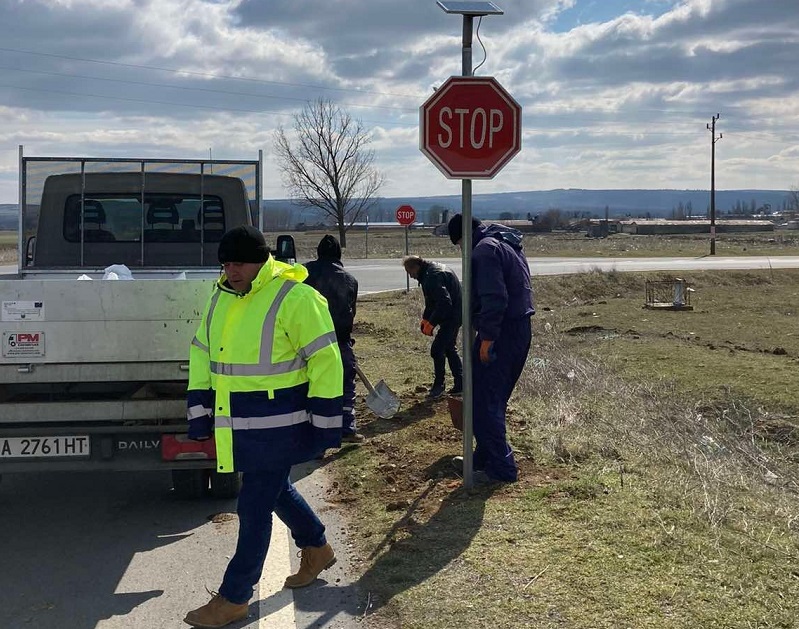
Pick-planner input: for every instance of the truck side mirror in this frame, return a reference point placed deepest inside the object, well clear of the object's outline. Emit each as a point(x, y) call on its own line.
point(30, 250)
point(285, 250)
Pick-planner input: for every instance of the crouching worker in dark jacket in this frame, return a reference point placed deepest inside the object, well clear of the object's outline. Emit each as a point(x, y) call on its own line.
point(501, 304)
point(265, 381)
point(442, 309)
point(327, 275)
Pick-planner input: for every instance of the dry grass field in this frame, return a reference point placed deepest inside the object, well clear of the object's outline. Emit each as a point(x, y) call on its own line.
point(658, 453)
point(390, 243)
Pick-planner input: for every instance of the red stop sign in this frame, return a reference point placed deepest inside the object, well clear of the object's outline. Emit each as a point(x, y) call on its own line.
point(406, 215)
point(470, 127)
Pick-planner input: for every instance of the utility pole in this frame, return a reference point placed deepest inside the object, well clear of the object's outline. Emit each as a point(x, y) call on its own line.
point(713, 139)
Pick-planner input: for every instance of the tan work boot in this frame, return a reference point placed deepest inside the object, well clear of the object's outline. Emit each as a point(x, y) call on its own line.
point(313, 560)
point(218, 612)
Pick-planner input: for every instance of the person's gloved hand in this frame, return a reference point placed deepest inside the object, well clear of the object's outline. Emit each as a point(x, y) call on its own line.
point(487, 353)
point(426, 327)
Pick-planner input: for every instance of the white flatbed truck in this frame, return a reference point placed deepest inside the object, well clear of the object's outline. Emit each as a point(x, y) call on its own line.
point(93, 373)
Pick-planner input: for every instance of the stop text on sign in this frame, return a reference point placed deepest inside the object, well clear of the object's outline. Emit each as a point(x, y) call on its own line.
point(482, 125)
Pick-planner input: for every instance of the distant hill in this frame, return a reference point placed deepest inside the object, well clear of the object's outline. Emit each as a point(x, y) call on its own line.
point(620, 203)
point(282, 213)
point(8, 216)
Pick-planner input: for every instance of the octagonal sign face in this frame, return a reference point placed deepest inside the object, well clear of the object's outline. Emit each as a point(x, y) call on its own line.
point(406, 215)
point(470, 127)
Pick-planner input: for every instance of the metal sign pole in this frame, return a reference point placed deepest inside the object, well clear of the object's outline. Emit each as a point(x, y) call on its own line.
point(407, 277)
point(367, 236)
point(466, 260)
point(258, 186)
point(21, 241)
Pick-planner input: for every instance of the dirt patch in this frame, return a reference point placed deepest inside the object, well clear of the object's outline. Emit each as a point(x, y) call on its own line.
point(784, 430)
point(222, 518)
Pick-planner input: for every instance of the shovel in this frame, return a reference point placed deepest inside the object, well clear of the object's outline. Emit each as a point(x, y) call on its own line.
point(381, 400)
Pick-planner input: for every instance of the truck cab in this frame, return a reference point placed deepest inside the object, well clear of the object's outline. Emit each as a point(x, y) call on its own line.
point(98, 219)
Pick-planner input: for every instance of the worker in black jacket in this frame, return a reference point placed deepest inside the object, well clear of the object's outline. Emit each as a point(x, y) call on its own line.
point(327, 275)
point(442, 309)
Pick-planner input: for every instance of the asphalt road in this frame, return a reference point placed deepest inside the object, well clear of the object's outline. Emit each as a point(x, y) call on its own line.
point(387, 274)
point(383, 274)
point(116, 551)
point(113, 551)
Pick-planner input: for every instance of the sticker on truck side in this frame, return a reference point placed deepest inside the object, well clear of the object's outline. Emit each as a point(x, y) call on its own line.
point(22, 311)
point(23, 344)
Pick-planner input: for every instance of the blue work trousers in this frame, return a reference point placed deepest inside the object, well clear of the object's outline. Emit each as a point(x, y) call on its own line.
point(262, 494)
point(348, 360)
point(444, 349)
point(493, 384)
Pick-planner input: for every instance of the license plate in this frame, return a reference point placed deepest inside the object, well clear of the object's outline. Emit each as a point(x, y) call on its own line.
point(38, 447)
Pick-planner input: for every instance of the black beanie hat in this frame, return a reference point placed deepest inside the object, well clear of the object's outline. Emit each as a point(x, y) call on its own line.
point(329, 248)
point(455, 227)
point(244, 243)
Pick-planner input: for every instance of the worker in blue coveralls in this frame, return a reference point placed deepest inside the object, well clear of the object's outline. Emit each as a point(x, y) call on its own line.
point(327, 275)
point(501, 306)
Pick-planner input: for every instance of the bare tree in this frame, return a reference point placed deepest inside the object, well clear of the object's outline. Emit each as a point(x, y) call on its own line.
point(331, 166)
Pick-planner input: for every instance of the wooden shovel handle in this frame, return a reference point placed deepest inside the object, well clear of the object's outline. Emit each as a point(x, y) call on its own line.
point(364, 379)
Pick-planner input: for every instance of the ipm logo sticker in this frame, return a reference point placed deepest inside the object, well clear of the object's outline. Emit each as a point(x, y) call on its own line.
point(23, 344)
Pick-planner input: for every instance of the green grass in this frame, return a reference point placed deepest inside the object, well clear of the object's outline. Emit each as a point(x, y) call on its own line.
point(742, 333)
point(658, 455)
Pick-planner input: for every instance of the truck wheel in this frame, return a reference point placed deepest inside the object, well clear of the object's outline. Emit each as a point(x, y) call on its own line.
point(190, 483)
point(225, 485)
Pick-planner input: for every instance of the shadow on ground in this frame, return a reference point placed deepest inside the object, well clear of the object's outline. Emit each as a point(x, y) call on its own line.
point(69, 544)
point(409, 553)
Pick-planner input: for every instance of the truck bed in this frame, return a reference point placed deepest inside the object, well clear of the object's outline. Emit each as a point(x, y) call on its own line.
point(101, 361)
point(81, 322)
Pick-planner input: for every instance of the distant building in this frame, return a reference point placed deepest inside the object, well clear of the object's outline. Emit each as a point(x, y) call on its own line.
point(653, 226)
point(601, 228)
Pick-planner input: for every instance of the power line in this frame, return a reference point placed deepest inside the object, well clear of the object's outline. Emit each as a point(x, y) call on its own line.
point(247, 79)
point(203, 74)
point(539, 130)
point(198, 89)
point(173, 104)
point(534, 131)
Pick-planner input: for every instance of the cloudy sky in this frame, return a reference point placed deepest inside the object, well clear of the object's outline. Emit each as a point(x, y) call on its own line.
point(615, 93)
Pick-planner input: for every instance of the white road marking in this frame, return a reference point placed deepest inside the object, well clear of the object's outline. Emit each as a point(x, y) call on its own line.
point(279, 612)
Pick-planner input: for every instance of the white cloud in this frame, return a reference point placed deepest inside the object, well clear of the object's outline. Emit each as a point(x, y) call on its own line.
point(610, 100)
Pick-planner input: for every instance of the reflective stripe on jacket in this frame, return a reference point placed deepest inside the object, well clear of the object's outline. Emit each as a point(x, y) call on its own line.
point(266, 372)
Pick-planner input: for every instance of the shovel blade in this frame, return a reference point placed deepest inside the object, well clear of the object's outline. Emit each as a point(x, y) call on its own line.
point(382, 401)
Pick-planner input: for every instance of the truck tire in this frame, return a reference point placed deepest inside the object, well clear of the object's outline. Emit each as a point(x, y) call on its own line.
point(225, 485)
point(190, 483)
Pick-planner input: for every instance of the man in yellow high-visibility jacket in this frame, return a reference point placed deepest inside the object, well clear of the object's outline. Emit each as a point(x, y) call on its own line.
point(265, 379)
